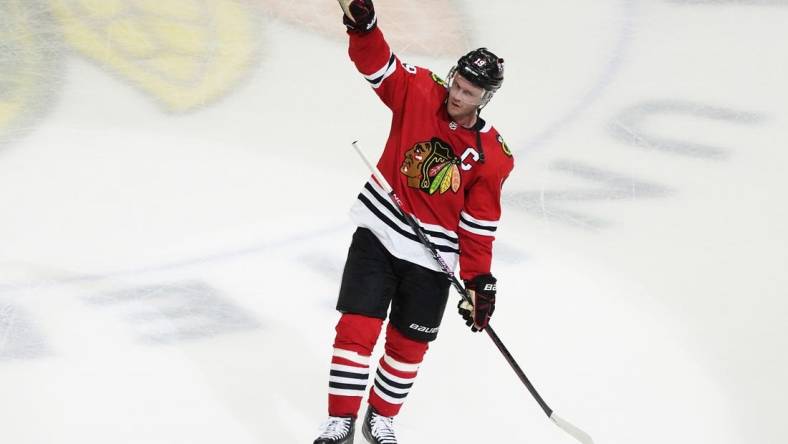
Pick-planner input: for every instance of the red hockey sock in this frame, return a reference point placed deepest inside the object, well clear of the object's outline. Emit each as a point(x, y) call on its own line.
point(396, 372)
point(355, 339)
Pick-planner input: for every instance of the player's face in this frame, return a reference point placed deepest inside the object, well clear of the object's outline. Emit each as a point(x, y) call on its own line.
point(464, 97)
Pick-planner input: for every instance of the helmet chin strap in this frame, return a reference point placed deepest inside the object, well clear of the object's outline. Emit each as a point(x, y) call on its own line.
point(485, 99)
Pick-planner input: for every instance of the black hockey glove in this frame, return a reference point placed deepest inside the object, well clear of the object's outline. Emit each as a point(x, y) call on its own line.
point(481, 290)
point(359, 15)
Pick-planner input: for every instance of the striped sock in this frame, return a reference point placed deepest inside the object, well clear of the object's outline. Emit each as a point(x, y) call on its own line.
point(393, 381)
point(396, 371)
point(347, 382)
point(355, 339)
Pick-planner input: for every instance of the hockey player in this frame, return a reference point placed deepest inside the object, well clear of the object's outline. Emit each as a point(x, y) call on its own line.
point(447, 165)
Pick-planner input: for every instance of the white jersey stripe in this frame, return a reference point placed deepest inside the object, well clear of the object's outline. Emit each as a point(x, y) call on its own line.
point(485, 223)
point(403, 225)
point(381, 71)
point(474, 230)
point(426, 226)
point(389, 72)
point(398, 245)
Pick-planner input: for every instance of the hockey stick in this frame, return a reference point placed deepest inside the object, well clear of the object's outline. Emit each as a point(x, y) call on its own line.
point(566, 426)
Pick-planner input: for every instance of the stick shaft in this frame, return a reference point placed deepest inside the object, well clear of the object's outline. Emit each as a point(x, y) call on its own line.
point(563, 424)
point(454, 281)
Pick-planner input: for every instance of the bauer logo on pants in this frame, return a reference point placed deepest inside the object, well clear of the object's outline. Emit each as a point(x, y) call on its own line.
point(424, 329)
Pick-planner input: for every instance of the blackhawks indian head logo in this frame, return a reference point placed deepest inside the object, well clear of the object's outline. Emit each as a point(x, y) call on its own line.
point(432, 167)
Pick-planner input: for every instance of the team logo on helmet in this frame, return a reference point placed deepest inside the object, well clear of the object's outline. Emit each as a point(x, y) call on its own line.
point(482, 68)
point(432, 167)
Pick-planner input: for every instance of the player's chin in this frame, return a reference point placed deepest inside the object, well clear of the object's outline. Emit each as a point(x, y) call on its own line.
point(455, 111)
point(459, 113)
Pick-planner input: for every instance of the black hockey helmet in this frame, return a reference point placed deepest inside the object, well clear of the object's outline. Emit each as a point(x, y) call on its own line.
point(482, 68)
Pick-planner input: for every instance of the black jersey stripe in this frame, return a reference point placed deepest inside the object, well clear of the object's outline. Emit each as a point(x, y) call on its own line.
point(389, 206)
point(379, 79)
point(477, 226)
point(398, 229)
point(388, 381)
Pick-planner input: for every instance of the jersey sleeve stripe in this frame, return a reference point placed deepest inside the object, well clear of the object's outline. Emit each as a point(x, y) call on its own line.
point(478, 223)
point(378, 77)
point(474, 230)
point(379, 73)
point(477, 226)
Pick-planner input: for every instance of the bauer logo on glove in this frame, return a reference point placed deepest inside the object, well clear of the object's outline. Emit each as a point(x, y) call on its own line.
point(481, 290)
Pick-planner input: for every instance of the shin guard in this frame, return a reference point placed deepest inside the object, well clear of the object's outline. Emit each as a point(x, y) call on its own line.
point(396, 372)
point(355, 339)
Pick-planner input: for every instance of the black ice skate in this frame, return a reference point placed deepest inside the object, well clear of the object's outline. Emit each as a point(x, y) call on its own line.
point(337, 430)
point(378, 429)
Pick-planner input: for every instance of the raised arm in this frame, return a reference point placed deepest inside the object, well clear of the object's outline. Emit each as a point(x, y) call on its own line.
point(372, 55)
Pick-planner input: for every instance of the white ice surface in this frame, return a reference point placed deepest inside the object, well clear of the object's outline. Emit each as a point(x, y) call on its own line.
point(170, 277)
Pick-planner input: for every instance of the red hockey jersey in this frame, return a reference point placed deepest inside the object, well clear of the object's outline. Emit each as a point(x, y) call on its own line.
point(448, 177)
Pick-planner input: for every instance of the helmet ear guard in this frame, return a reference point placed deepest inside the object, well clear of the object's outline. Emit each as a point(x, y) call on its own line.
point(450, 76)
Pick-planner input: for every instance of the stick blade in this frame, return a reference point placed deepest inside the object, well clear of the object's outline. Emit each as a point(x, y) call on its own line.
point(569, 428)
